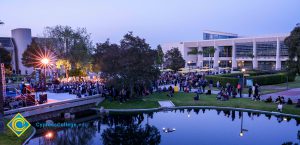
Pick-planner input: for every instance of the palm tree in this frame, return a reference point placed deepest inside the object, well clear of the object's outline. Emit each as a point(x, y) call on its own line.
point(210, 51)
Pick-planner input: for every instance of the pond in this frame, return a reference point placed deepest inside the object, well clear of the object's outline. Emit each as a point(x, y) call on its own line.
point(177, 127)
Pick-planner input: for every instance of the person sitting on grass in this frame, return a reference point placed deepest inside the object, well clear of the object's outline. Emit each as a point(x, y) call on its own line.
point(279, 107)
point(268, 100)
point(171, 92)
point(196, 98)
point(289, 102)
point(225, 97)
point(219, 96)
point(257, 97)
point(282, 100)
point(278, 100)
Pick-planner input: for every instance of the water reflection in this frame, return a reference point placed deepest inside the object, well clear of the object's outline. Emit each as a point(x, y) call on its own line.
point(146, 128)
point(127, 130)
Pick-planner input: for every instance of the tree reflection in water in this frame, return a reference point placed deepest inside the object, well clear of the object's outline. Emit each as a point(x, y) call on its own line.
point(127, 130)
point(76, 136)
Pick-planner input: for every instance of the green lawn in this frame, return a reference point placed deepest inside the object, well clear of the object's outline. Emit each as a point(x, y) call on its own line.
point(9, 138)
point(186, 99)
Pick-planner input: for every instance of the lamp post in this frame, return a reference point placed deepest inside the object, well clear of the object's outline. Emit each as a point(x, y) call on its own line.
point(287, 77)
point(243, 71)
point(45, 62)
point(189, 64)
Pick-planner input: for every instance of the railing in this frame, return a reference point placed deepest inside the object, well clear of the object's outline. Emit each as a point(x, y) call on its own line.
point(44, 108)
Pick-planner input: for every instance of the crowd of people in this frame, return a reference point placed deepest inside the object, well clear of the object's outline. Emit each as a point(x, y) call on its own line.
point(170, 82)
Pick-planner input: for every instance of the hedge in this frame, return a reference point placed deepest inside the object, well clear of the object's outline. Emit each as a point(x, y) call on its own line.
point(223, 80)
point(267, 79)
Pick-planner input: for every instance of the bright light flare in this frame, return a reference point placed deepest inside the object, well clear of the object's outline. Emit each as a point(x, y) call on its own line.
point(43, 58)
point(45, 61)
point(49, 135)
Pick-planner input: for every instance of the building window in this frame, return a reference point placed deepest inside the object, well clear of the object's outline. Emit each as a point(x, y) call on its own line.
point(266, 48)
point(205, 51)
point(245, 64)
point(283, 49)
point(266, 65)
point(206, 63)
point(244, 49)
point(225, 63)
point(225, 51)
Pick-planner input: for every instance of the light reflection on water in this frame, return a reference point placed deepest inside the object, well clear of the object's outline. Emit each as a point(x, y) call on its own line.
point(191, 127)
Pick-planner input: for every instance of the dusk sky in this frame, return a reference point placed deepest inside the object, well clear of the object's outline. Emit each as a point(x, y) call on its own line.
point(158, 21)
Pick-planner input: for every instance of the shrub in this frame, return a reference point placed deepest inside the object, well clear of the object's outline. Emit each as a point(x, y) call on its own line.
point(223, 80)
point(270, 79)
point(261, 78)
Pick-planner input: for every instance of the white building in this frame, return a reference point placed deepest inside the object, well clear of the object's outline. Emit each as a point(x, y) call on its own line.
point(263, 53)
point(16, 45)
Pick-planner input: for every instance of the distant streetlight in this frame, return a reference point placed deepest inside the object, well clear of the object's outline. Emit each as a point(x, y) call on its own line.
point(243, 71)
point(189, 64)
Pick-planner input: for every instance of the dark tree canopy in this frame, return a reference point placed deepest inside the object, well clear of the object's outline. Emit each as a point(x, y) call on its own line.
point(160, 55)
point(70, 44)
point(5, 57)
point(174, 60)
point(293, 44)
point(128, 64)
point(31, 54)
point(131, 135)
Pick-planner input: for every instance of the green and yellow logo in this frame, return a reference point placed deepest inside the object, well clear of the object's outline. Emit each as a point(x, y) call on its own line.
point(18, 124)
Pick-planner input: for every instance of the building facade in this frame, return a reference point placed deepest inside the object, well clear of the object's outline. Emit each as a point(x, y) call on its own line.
point(16, 45)
point(231, 51)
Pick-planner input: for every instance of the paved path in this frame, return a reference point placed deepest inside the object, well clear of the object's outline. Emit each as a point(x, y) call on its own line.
point(166, 104)
point(55, 97)
point(294, 94)
point(212, 91)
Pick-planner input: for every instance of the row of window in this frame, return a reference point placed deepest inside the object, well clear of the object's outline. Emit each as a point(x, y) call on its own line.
point(263, 49)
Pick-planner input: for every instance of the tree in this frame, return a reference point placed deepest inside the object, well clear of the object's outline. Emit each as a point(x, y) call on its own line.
point(174, 60)
point(32, 55)
point(130, 64)
point(210, 51)
point(293, 44)
point(65, 64)
point(71, 44)
point(160, 55)
point(5, 57)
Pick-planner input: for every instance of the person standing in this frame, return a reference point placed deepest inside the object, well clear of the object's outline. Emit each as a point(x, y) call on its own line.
point(239, 87)
point(250, 91)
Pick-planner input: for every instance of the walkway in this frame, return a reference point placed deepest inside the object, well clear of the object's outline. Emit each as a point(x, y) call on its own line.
point(166, 104)
point(294, 94)
point(212, 91)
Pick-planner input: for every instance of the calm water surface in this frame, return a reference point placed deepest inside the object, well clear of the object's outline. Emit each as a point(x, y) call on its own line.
point(192, 127)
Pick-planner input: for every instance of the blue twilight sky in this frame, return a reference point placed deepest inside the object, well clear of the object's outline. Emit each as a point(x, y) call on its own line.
point(158, 21)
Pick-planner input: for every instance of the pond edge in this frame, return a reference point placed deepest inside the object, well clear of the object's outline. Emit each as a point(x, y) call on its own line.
point(202, 107)
point(29, 138)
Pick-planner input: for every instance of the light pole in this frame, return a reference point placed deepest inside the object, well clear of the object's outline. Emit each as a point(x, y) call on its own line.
point(189, 64)
point(243, 70)
point(287, 77)
point(45, 62)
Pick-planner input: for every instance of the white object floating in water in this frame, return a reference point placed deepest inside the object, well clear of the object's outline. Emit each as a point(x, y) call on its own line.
point(167, 130)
